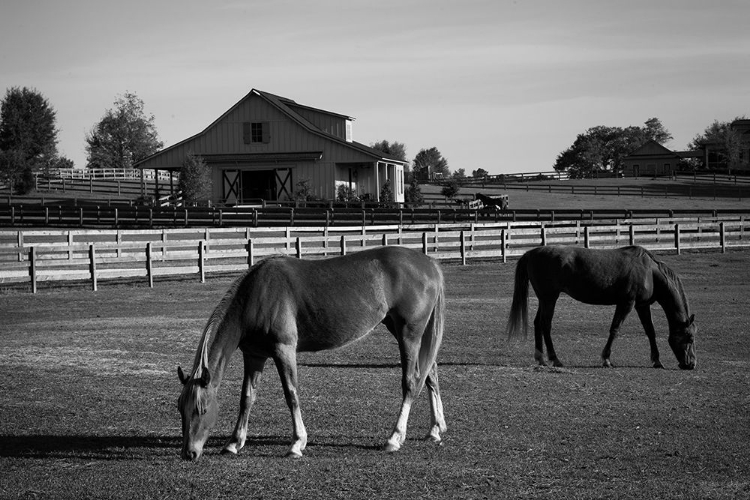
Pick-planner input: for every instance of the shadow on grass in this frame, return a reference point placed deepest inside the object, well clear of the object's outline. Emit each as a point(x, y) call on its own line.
point(130, 447)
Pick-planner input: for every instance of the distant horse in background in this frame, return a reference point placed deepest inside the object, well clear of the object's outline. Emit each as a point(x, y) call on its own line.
point(626, 277)
point(285, 305)
point(498, 202)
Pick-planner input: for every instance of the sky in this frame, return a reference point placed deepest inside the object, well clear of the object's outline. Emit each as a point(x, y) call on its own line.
point(495, 84)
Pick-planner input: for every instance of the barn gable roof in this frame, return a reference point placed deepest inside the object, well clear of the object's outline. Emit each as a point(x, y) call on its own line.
point(289, 108)
point(653, 149)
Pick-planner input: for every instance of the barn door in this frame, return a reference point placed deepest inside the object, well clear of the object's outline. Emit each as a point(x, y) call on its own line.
point(231, 186)
point(284, 184)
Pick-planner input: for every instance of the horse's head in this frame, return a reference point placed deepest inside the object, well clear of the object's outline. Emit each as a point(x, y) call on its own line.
point(682, 342)
point(199, 408)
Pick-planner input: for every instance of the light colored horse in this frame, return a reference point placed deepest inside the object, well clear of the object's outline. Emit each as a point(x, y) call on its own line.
point(626, 277)
point(285, 305)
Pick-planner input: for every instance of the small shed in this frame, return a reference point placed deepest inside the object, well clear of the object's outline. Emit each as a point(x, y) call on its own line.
point(651, 159)
point(265, 145)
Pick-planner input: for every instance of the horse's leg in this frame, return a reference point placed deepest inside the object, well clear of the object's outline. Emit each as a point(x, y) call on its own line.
point(286, 364)
point(408, 344)
point(437, 424)
point(539, 337)
point(543, 330)
point(253, 368)
point(644, 313)
point(621, 312)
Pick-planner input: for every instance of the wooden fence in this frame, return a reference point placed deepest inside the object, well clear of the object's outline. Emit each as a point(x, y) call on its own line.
point(95, 255)
point(132, 216)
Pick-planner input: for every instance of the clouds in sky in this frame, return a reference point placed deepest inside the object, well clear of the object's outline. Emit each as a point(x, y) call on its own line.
point(500, 85)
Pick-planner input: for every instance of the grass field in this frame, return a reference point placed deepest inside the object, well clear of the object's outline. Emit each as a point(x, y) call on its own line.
point(520, 199)
point(89, 401)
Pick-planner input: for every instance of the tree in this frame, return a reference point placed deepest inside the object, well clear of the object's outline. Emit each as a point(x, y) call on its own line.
point(604, 148)
point(195, 180)
point(459, 174)
point(726, 142)
point(480, 172)
point(450, 188)
point(124, 136)
point(28, 137)
point(413, 195)
point(429, 162)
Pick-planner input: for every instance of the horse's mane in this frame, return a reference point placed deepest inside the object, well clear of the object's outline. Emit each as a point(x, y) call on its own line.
point(214, 321)
point(673, 280)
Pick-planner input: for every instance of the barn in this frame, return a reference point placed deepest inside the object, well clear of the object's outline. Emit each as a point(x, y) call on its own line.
point(651, 159)
point(265, 146)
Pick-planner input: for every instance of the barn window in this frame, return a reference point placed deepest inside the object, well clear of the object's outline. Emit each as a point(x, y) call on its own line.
point(256, 132)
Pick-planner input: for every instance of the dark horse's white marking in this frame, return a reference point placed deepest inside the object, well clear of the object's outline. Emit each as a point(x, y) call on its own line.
point(284, 305)
point(626, 277)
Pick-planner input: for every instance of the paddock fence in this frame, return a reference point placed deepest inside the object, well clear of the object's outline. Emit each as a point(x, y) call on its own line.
point(91, 256)
point(131, 216)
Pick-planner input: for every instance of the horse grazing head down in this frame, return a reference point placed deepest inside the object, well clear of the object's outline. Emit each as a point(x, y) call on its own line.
point(199, 408)
point(682, 342)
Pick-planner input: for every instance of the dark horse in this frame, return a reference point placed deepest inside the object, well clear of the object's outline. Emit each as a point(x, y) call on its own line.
point(498, 203)
point(284, 305)
point(626, 277)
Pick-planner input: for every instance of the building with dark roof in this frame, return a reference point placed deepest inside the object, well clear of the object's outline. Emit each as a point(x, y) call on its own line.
point(265, 145)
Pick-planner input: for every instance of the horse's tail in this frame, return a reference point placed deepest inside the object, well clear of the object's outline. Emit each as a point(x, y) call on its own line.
point(518, 317)
point(433, 336)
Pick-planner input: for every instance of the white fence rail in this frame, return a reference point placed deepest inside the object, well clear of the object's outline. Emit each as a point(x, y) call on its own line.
point(94, 255)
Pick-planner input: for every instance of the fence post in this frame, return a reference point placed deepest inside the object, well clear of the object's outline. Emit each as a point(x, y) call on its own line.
point(343, 244)
point(677, 238)
point(32, 268)
point(544, 235)
point(298, 246)
point(632, 234)
point(80, 215)
point(92, 266)
point(586, 237)
point(463, 248)
point(250, 253)
point(722, 235)
point(186, 217)
point(385, 239)
point(201, 260)
point(424, 243)
point(504, 237)
point(149, 265)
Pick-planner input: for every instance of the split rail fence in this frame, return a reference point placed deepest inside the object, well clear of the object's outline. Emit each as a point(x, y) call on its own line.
point(95, 255)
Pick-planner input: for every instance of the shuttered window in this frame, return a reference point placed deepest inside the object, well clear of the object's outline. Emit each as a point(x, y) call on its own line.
point(256, 132)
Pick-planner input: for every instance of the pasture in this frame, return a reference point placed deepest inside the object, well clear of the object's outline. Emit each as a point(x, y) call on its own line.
point(89, 397)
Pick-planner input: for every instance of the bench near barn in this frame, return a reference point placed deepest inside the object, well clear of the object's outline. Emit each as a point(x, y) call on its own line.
point(37, 256)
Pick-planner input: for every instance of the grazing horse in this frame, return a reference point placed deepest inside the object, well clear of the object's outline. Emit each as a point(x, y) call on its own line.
point(626, 277)
point(285, 305)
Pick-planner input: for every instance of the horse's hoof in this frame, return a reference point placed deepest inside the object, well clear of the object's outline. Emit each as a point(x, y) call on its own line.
point(433, 439)
point(556, 363)
point(391, 448)
point(607, 364)
point(294, 455)
point(657, 364)
point(230, 449)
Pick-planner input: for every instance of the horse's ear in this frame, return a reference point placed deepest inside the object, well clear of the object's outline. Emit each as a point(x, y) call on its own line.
point(181, 376)
point(205, 377)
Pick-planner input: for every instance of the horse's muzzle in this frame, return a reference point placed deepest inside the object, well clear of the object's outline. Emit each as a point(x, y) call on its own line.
point(192, 454)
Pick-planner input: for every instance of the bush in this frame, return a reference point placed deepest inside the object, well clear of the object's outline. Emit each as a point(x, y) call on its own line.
point(195, 180)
